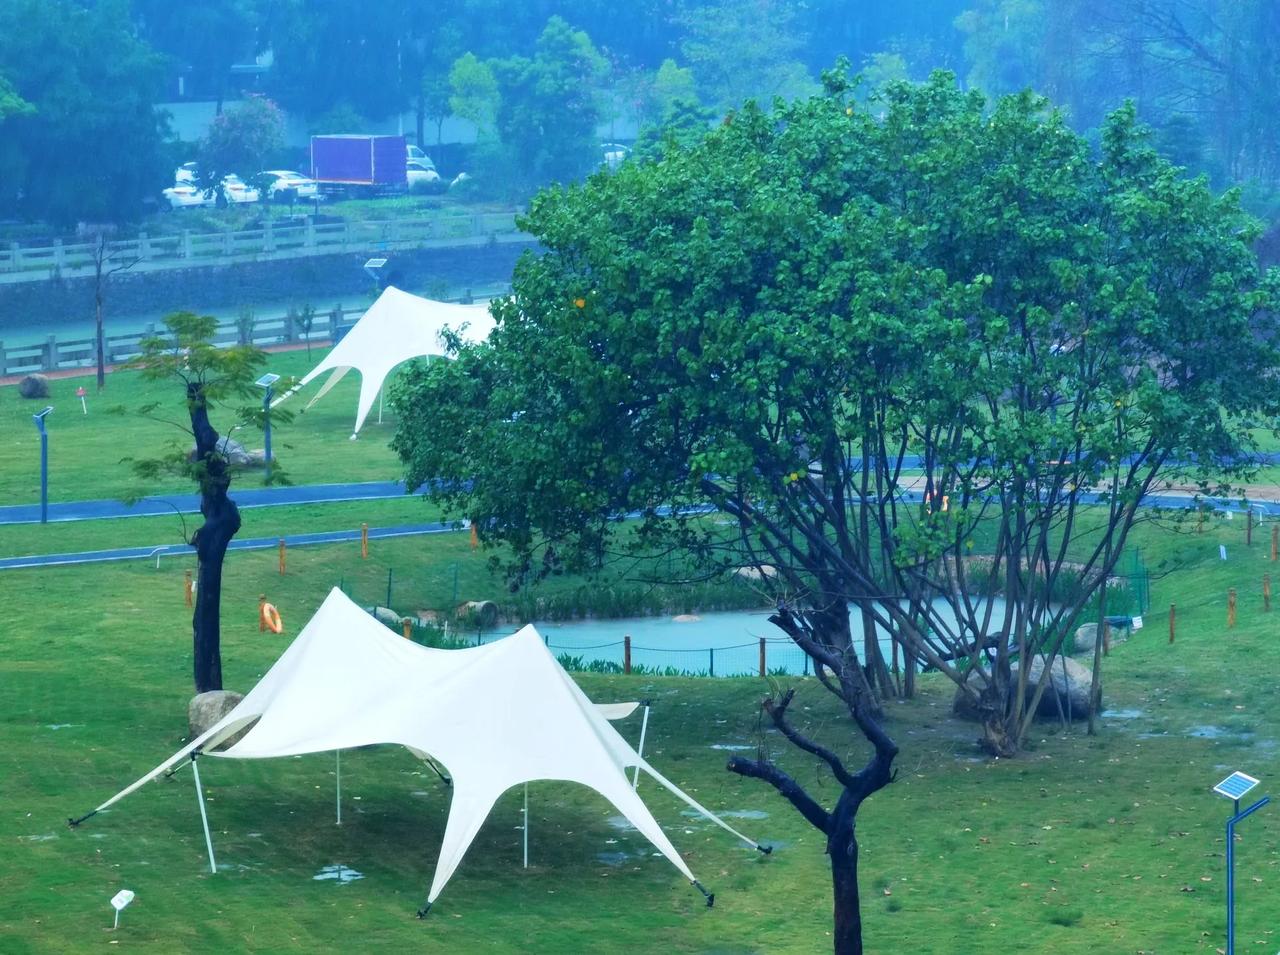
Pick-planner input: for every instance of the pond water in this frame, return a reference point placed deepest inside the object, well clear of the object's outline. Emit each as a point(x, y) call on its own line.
point(719, 644)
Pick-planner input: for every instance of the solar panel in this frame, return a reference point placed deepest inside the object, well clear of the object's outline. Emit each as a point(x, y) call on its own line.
point(1235, 785)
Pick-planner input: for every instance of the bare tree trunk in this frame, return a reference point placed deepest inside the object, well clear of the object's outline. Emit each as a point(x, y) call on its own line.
point(842, 847)
point(221, 522)
point(99, 259)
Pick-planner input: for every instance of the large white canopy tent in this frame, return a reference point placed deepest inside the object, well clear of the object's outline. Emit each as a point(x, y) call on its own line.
point(397, 327)
point(496, 716)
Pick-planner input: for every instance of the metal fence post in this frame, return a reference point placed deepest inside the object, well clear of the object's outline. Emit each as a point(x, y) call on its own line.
point(711, 660)
point(626, 653)
point(762, 651)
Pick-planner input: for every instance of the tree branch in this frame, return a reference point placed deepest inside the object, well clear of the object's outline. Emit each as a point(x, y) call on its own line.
point(790, 790)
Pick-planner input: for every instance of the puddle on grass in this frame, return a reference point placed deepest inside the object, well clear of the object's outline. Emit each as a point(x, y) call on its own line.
point(339, 873)
point(621, 823)
point(1121, 714)
point(620, 858)
point(61, 726)
point(732, 747)
point(1216, 732)
point(728, 814)
point(41, 838)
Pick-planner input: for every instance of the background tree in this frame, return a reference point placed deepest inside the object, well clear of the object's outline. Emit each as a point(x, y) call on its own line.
point(208, 376)
point(242, 140)
point(550, 106)
point(92, 86)
point(107, 261)
point(741, 51)
point(790, 317)
point(208, 38)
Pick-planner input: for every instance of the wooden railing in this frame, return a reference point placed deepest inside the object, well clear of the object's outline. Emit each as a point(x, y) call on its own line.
point(286, 238)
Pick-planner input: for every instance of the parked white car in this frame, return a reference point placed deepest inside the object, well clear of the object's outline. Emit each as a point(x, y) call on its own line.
point(187, 172)
point(613, 155)
point(236, 190)
point(182, 195)
point(302, 187)
point(421, 176)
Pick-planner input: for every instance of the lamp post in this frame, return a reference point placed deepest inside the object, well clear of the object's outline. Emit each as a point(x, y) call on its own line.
point(265, 382)
point(1233, 787)
point(38, 418)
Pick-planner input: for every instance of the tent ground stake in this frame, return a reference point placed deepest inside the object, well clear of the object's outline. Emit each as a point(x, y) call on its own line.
point(644, 725)
point(709, 896)
point(526, 825)
point(204, 818)
point(337, 763)
point(425, 910)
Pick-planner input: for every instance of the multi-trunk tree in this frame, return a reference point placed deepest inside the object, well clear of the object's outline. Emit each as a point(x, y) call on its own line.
point(918, 355)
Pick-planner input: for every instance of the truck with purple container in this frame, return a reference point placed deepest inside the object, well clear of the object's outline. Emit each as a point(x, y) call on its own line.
point(356, 165)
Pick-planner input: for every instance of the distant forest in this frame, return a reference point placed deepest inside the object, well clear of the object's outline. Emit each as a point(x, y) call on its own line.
point(79, 79)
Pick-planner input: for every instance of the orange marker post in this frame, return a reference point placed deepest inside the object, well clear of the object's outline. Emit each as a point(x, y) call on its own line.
point(407, 625)
point(475, 538)
point(186, 588)
point(1266, 592)
point(262, 613)
point(364, 540)
point(282, 546)
point(1231, 607)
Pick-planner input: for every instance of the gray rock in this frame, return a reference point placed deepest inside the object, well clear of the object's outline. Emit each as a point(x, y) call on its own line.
point(1087, 636)
point(483, 613)
point(1074, 690)
point(237, 455)
point(34, 386)
point(1070, 685)
point(387, 616)
point(205, 709)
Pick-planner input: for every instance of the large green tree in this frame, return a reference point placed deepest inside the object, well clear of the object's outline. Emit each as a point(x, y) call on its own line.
point(826, 321)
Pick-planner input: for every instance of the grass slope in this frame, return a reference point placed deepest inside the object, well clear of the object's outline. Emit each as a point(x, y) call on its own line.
point(1112, 843)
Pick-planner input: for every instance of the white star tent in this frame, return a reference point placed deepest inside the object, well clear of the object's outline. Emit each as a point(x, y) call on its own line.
point(397, 327)
point(496, 716)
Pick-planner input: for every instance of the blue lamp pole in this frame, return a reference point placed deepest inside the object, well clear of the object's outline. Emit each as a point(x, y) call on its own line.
point(266, 382)
point(38, 418)
point(1233, 787)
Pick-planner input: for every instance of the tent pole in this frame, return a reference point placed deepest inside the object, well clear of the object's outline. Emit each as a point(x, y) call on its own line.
point(204, 818)
point(526, 825)
point(337, 762)
point(644, 725)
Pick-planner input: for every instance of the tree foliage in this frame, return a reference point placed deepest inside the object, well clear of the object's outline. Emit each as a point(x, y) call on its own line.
point(241, 140)
point(779, 319)
point(208, 376)
point(88, 85)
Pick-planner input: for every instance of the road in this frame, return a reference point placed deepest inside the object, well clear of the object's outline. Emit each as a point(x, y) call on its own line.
point(190, 503)
point(255, 543)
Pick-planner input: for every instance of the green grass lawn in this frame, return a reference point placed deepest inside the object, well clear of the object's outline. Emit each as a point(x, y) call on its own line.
point(86, 451)
point(1105, 844)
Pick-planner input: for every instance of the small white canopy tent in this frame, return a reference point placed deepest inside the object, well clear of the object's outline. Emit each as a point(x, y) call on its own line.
point(496, 716)
point(397, 327)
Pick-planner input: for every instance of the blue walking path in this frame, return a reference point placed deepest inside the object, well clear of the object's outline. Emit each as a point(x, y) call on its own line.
point(253, 543)
point(190, 503)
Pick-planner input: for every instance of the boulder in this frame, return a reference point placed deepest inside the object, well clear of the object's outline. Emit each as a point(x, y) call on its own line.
point(763, 572)
point(482, 612)
point(34, 386)
point(387, 615)
point(1074, 690)
point(1087, 636)
point(236, 454)
point(1070, 685)
point(205, 709)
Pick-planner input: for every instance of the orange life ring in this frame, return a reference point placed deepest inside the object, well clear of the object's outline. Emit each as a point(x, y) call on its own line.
point(271, 617)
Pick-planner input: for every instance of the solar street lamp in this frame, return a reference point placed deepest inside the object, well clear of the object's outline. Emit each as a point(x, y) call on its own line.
point(265, 382)
point(1234, 787)
point(38, 418)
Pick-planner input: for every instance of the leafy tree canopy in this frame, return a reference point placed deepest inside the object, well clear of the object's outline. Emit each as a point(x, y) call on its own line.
point(775, 319)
